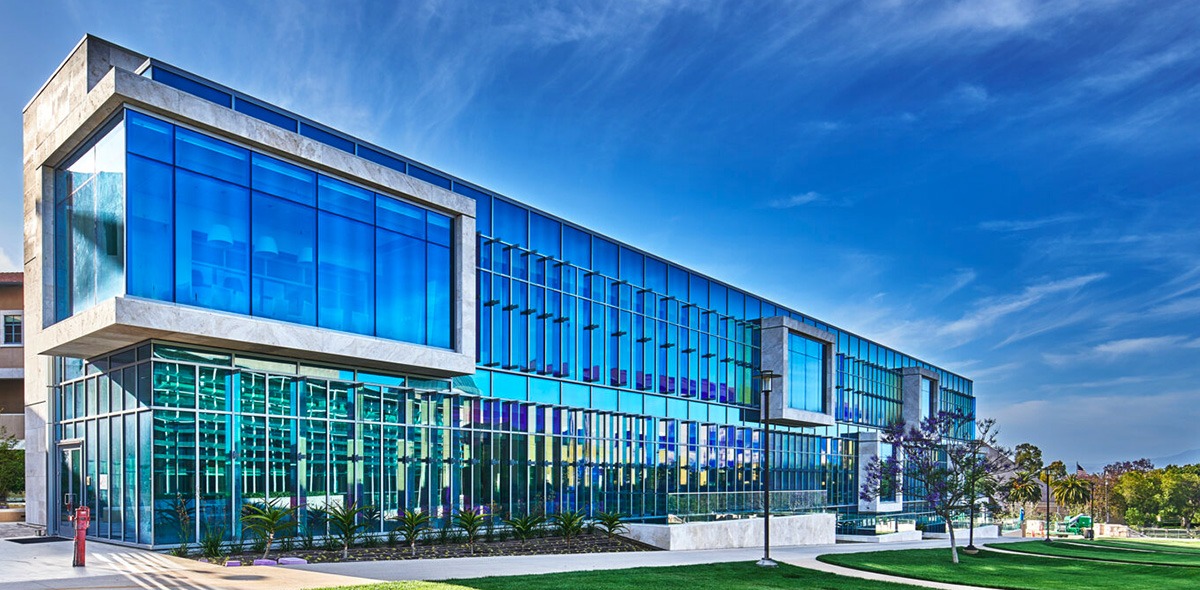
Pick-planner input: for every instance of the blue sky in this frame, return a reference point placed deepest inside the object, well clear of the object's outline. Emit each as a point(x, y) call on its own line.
point(1009, 189)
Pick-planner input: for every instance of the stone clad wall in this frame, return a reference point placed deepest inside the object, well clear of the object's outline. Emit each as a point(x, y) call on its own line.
point(805, 529)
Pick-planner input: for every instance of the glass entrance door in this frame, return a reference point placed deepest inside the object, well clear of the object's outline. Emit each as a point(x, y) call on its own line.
point(70, 473)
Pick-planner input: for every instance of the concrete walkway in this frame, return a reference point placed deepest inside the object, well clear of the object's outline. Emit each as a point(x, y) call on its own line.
point(476, 567)
point(812, 564)
point(46, 566)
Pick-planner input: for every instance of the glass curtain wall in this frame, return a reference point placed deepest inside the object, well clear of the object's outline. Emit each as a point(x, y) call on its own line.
point(251, 234)
point(211, 431)
point(89, 213)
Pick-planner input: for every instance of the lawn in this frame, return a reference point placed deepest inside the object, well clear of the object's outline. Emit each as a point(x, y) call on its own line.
point(1185, 547)
point(1146, 553)
point(1018, 572)
point(727, 576)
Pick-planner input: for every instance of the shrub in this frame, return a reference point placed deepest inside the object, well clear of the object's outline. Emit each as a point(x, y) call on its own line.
point(411, 525)
point(611, 523)
point(267, 521)
point(525, 527)
point(470, 522)
point(568, 524)
point(346, 524)
point(212, 542)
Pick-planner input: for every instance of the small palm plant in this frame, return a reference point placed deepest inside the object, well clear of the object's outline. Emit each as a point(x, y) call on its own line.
point(525, 527)
point(267, 521)
point(471, 522)
point(346, 524)
point(611, 523)
point(212, 542)
point(411, 525)
point(568, 524)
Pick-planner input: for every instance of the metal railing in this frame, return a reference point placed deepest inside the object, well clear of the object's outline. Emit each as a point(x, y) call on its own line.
point(692, 506)
point(1160, 533)
point(883, 524)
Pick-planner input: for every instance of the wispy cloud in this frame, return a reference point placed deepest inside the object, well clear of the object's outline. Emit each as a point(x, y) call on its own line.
point(1020, 225)
point(1142, 416)
point(968, 97)
point(991, 310)
point(7, 263)
point(961, 278)
point(1114, 349)
point(799, 200)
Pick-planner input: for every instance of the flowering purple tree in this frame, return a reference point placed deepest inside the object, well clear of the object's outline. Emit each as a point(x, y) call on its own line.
point(948, 473)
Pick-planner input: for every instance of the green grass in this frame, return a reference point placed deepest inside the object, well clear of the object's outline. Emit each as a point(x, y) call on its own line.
point(727, 576)
point(1018, 572)
point(1184, 547)
point(1150, 554)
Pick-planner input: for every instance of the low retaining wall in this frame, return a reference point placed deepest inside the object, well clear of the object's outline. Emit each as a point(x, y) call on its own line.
point(989, 531)
point(804, 529)
point(901, 536)
point(12, 514)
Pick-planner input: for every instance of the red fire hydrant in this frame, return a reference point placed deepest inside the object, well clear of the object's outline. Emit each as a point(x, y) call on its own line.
point(82, 518)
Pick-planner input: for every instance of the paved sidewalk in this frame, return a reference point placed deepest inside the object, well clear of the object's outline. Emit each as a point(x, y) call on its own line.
point(47, 566)
point(812, 564)
point(476, 567)
point(44, 566)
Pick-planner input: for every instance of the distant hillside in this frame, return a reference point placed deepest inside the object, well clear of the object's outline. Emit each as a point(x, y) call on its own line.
point(1184, 458)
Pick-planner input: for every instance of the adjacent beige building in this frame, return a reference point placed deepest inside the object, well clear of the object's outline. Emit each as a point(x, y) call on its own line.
point(12, 355)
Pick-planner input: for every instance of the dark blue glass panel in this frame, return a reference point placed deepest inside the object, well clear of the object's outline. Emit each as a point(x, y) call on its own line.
point(283, 268)
point(439, 296)
point(149, 194)
point(345, 199)
point(191, 86)
point(511, 223)
point(677, 283)
point(437, 228)
point(264, 114)
point(577, 247)
point(326, 137)
point(698, 290)
point(716, 298)
point(467, 191)
point(382, 159)
point(399, 287)
point(283, 180)
point(736, 304)
point(400, 217)
point(430, 177)
point(604, 256)
point(656, 276)
point(149, 137)
point(544, 235)
point(632, 267)
point(345, 274)
point(203, 154)
point(212, 249)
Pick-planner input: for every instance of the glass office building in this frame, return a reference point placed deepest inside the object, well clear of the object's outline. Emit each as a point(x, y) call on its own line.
point(605, 378)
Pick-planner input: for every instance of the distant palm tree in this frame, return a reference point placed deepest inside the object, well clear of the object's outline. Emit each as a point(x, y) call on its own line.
point(1072, 491)
point(1024, 490)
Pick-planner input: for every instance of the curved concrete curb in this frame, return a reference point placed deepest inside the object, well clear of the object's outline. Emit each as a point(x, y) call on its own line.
point(812, 564)
point(1091, 559)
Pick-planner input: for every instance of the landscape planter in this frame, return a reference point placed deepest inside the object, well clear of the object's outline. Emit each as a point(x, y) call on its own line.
point(594, 543)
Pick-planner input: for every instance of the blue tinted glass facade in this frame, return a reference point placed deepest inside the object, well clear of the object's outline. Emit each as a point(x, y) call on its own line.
point(89, 205)
point(806, 374)
point(255, 235)
point(606, 379)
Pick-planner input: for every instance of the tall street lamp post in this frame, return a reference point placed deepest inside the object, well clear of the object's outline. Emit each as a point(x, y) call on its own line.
point(764, 413)
point(1046, 470)
point(971, 523)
